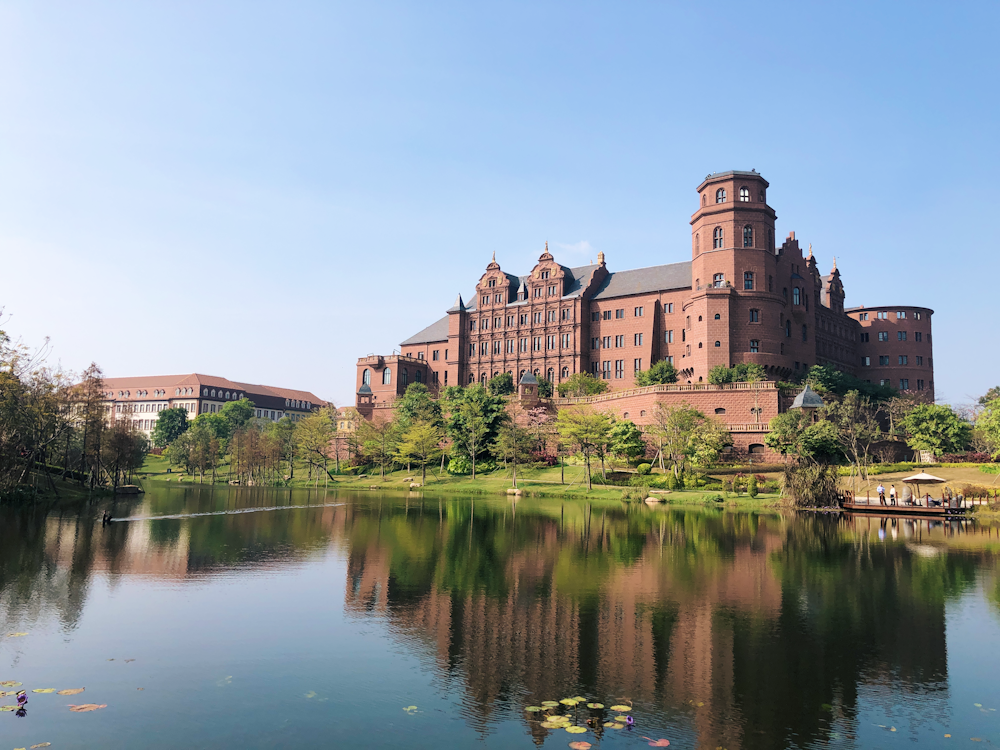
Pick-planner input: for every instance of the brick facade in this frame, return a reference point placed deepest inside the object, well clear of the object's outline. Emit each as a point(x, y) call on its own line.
point(741, 298)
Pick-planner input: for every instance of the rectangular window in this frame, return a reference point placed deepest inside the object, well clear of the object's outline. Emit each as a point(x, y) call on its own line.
point(536, 344)
point(565, 341)
point(524, 345)
point(901, 335)
point(486, 301)
point(472, 350)
point(754, 345)
point(883, 360)
point(620, 313)
point(606, 315)
point(595, 316)
point(496, 346)
point(903, 359)
point(747, 280)
point(545, 274)
point(883, 335)
point(669, 359)
point(920, 360)
point(796, 296)
point(537, 317)
point(885, 381)
point(497, 322)
point(668, 337)
point(863, 316)
point(920, 385)
point(538, 291)
point(606, 342)
point(917, 336)
point(523, 319)
point(638, 312)
point(596, 368)
point(901, 315)
point(638, 365)
point(638, 339)
point(510, 346)
point(472, 325)
point(420, 355)
point(670, 307)
point(882, 315)
point(484, 348)
point(916, 316)
point(552, 316)
point(619, 368)
point(863, 337)
point(595, 343)
point(435, 355)
point(551, 342)
point(755, 316)
point(866, 361)
point(565, 313)
point(606, 369)
point(796, 365)
point(552, 291)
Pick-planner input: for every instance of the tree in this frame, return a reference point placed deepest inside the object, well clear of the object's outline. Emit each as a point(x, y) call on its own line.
point(674, 428)
point(545, 387)
point(709, 440)
point(421, 443)
point(586, 429)
point(582, 384)
point(379, 438)
point(626, 440)
point(988, 424)
point(416, 405)
point(170, 423)
point(937, 428)
point(795, 433)
point(501, 385)
point(124, 451)
point(473, 419)
point(284, 432)
point(197, 449)
point(662, 373)
point(512, 444)
point(991, 395)
point(220, 427)
point(856, 421)
point(828, 380)
point(313, 435)
point(237, 413)
point(744, 372)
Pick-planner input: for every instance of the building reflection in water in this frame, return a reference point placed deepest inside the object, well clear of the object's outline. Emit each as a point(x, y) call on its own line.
point(751, 630)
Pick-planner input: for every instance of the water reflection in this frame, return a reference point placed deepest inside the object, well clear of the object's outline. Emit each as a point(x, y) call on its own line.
point(733, 629)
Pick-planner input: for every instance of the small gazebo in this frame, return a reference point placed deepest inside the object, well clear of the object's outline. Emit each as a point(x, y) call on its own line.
point(809, 402)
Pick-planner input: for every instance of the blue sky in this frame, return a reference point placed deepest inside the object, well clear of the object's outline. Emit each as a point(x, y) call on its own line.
point(225, 187)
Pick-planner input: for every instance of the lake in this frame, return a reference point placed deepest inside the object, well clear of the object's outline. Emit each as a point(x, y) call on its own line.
point(259, 618)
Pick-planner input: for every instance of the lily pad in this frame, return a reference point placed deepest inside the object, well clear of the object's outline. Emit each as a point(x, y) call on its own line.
point(610, 724)
point(85, 707)
point(44, 690)
point(41, 744)
point(581, 745)
point(619, 709)
point(71, 691)
point(595, 705)
point(8, 708)
point(550, 704)
point(533, 709)
point(621, 718)
point(576, 730)
point(978, 705)
point(410, 709)
point(10, 683)
point(15, 635)
point(569, 701)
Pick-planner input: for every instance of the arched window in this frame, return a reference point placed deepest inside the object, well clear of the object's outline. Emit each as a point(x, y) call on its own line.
point(718, 344)
point(718, 317)
point(416, 376)
point(748, 236)
point(205, 392)
point(565, 372)
point(213, 393)
point(704, 199)
point(744, 195)
point(720, 196)
point(550, 374)
point(405, 377)
point(366, 377)
point(697, 243)
point(387, 376)
point(482, 378)
point(699, 318)
point(625, 415)
point(227, 394)
point(472, 378)
point(756, 449)
point(754, 345)
point(717, 237)
point(796, 296)
point(642, 413)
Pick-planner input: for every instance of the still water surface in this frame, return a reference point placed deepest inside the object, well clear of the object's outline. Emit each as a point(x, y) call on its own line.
point(273, 618)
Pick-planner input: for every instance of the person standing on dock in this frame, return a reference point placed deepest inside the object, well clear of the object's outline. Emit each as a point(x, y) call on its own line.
point(892, 494)
point(881, 493)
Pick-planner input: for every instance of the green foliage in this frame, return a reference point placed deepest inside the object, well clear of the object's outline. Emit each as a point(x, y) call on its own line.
point(643, 469)
point(416, 405)
point(742, 373)
point(544, 387)
point(586, 430)
point(635, 494)
point(219, 426)
point(626, 440)
point(988, 423)
point(662, 373)
point(170, 423)
point(937, 428)
point(474, 419)
point(237, 413)
point(582, 384)
point(715, 499)
point(811, 485)
point(501, 385)
point(420, 443)
point(990, 468)
point(826, 379)
point(752, 485)
point(991, 395)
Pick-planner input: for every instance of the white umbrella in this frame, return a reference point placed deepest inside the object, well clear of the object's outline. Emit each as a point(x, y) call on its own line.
point(923, 478)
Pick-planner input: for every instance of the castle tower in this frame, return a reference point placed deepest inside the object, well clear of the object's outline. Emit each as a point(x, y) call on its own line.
point(733, 313)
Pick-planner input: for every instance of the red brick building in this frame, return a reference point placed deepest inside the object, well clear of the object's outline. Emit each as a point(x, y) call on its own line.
point(741, 298)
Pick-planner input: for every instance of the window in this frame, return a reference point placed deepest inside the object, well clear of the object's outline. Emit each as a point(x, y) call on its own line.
point(885, 381)
point(744, 195)
point(416, 376)
point(522, 319)
point(805, 332)
point(796, 365)
point(718, 344)
point(903, 359)
point(366, 377)
point(920, 385)
point(668, 337)
point(697, 242)
point(509, 348)
point(754, 345)
point(486, 300)
point(755, 316)
point(550, 342)
point(788, 329)
point(717, 237)
point(565, 313)
point(638, 312)
point(916, 316)
point(606, 315)
point(595, 316)
point(523, 345)
point(717, 317)
point(565, 341)
point(883, 335)
point(917, 336)
point(620, 313)
point(901, 335)
point(619, 341)
point(492, 282)
point(496, 346)
point(538, 291)
point(863, 336)
point(595, 343)
point(920, 360)
point(866, 361)
point(718, 280)
point(497, 322)
point(796, 296)
point(619, 368)
point(720, 196)
point(883, 315)
point(484, 348)
point(537, 317)
point(670, 307)
point(638, 365)
point(638, 339)
point(420, 355)
point(472, 350)
point(863, 316)
point(748, 236)
point(901, 315)
point(435, 355)
point(536, 344)
point(551, 316)
point(565, 372)
point(386, 376)
point(606, 371)
point(544, 275)
point(552, 291)
point(883, 360)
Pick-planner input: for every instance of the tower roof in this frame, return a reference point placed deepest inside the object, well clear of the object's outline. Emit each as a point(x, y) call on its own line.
point(807, 399)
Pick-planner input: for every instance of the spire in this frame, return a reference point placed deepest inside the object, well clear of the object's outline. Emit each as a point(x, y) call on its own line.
point(834, 262)
point(495, 256)
point(459, 306)
point(810, 249)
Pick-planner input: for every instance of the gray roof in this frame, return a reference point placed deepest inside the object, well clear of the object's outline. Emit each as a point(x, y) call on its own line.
point(643, 280)
point(807, 399)
point(364, 390)
point(434, 332)
point(528, 379)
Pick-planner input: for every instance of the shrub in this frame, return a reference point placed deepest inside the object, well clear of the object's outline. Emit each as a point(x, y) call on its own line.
point(540, 457)
point(990, 469)
point(643, 469)
point(635, 494)
point(715, 499)
point(811, 485)
point(752, 485)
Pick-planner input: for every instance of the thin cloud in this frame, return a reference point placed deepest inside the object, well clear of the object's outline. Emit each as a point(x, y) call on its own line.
point(581, 249)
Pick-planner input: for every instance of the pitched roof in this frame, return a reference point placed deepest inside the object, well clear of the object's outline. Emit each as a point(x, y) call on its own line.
point(644, 280)
point(437, 331)
point(198, 380)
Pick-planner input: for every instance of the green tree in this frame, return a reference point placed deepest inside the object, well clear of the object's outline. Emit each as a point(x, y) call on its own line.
point(826, 379)
point(662, 373)
point(416, 405)
point(988, 423)
point(545, 387)
point(513, 442)
point(170, 423)
point(937, 428)
point(474, 417)
point(626, 440)
point(237, 413)
point(284, 432)
point(744, 372)
point(197, 449)
point(858, 428)
point(379, 438)
point(794, 433)
point(220, 427)
point(674, 428)
point(313, 435)
point(582, 384)
point(421, 443)
point(991, 395)
point(585, 429)
point(501, 385)
point(709, 440)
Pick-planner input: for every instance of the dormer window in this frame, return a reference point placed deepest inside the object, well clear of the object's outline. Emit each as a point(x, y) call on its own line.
point(717, 237)
point(545, 274)
point(493, 282)
point(744, 195)
point(720, 196)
